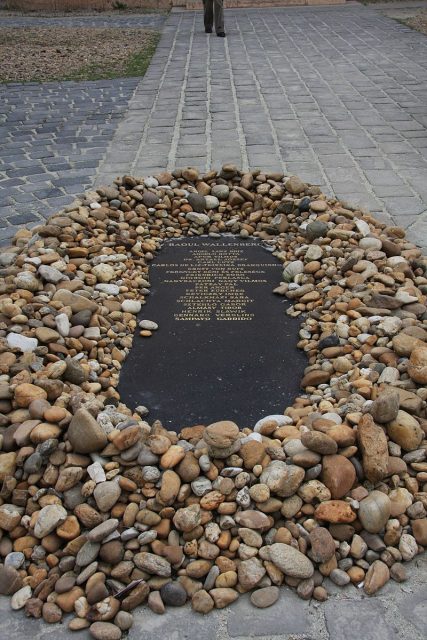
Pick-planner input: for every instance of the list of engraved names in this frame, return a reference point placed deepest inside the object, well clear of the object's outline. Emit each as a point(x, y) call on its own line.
point(217, 280)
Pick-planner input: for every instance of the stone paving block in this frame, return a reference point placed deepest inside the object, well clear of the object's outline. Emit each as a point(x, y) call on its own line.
point(382, 216)
point(58, 202)
point(347, 620)
point(325, 149)
point(5, 212)
point(395, 147)
point(76, 189)
point(364, 200)
point(288, 616)
point(302, 155)
point(383, 177)
point(151, 21)
point(403, 206)
point(11, 182)
point(418, 142)
point(189, 151)
point(191, 139)
point(398, 190)
point(418, 184)
point(218, 160)
point(408, 160)
point(357, 140)
point(6, 234)
point(417, 233)
point(364, 152)
point(306, 172)
point(377, 163)
point(337, 160)
point(262, 161)
point(19, 626)
point(176, 624)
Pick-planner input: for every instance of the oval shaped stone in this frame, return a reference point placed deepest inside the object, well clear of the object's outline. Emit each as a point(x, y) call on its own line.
point(374, 511)
point(289, 560)
point(266, 597)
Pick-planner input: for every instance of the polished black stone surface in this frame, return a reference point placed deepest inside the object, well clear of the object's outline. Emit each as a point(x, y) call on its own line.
point(225, 348)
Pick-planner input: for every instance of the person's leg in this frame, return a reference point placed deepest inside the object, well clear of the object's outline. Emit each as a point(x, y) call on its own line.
point(208, 6)
point(219, 16)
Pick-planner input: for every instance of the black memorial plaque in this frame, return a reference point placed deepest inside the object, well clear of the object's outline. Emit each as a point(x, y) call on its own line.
point(225, 349)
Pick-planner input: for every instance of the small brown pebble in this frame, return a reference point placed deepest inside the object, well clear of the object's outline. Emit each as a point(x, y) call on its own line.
point(105, 631)
point(155, 602)
point(51, 613)
point(320, 594)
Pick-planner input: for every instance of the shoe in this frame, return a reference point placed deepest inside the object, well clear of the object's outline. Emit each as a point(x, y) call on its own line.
point(208, 30)
point(221, 34)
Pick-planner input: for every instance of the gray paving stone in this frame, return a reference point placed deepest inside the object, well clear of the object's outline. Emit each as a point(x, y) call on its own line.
point(383, 178)
point(19, 627)
point(23, 218)
point(374, 163)
point(362, 199)
point(414, 608)
point(337, 160)
point(151, 21)
point(347, 620)
point(288, 616)
point(398, 190)
point(403, 206)
point(364, 152)
point(417, 232)
point(56, 116)
point(176, 624)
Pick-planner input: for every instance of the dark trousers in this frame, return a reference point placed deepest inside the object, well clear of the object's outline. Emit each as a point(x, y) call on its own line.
point(214, 8)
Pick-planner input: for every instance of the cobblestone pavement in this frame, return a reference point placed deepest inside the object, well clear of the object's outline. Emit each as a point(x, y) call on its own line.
point(54, 135)
point(52, 139)
point(334, 94)
point(134, 21)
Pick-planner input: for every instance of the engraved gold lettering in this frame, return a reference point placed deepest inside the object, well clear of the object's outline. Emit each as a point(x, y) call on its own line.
point(215, 282)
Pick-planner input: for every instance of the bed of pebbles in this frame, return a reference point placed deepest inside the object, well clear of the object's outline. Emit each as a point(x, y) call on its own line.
point(102, 509)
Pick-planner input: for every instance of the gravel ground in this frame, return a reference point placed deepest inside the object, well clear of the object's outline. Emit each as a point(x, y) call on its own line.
point(418, 22)
point(412, 13)
point(57, 53)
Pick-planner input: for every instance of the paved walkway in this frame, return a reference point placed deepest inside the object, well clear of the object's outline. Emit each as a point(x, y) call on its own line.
point(334, 94)
point(397, 613)
point(110, 20)
point(53, 136)
point(52, 139)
